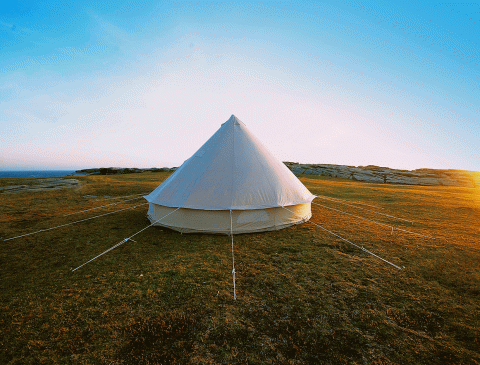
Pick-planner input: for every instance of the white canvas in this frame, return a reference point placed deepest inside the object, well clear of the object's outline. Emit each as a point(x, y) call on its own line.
point(232, 171)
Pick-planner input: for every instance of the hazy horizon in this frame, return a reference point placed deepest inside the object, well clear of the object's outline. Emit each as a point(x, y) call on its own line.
point(98, 167)
point(86, 85)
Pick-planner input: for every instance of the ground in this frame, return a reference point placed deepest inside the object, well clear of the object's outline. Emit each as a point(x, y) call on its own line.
point(304, 296)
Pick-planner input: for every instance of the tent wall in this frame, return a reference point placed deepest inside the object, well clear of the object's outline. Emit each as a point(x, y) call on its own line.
point(218, 221)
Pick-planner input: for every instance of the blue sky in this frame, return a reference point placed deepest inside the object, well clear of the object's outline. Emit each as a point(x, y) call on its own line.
point(144, 84)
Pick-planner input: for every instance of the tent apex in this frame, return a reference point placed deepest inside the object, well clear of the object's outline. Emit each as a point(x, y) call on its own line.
point(233, 120)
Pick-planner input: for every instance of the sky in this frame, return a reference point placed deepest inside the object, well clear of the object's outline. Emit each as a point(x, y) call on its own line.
point(87, 84)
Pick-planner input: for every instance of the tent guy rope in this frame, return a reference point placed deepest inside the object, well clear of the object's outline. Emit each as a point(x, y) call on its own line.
point(124, 240)
point(368, 210)
point(354, 244)
point(103, 206)
point(233, 257)
point(347, 201)
point(68, 224)
point(125, 196)
point(369, 220)
point(111, 197)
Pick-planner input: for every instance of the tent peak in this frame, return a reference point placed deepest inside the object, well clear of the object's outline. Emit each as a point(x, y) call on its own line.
point(234, 120)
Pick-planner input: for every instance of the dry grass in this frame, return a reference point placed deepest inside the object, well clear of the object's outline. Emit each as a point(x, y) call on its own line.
point(304, 296)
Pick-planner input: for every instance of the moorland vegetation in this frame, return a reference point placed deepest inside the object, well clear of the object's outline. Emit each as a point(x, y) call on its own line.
point(303, 295)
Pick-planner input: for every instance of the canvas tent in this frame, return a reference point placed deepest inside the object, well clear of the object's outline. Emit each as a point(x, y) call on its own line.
point(231, 184)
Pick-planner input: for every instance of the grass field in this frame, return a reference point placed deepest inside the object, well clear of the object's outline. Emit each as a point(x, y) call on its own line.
point(303, 295)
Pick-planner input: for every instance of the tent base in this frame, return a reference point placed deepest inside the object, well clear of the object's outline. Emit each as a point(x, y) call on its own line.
point(218, 221)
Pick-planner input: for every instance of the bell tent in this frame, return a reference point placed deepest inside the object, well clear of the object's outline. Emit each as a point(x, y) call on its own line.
point(231, 185)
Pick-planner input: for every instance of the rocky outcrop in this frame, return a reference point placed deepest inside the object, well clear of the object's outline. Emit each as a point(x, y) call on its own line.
point(385, 175)
point(41, 185)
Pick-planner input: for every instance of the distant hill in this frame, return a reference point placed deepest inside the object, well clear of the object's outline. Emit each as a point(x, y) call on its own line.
point(370, 173)
point(122, 170)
